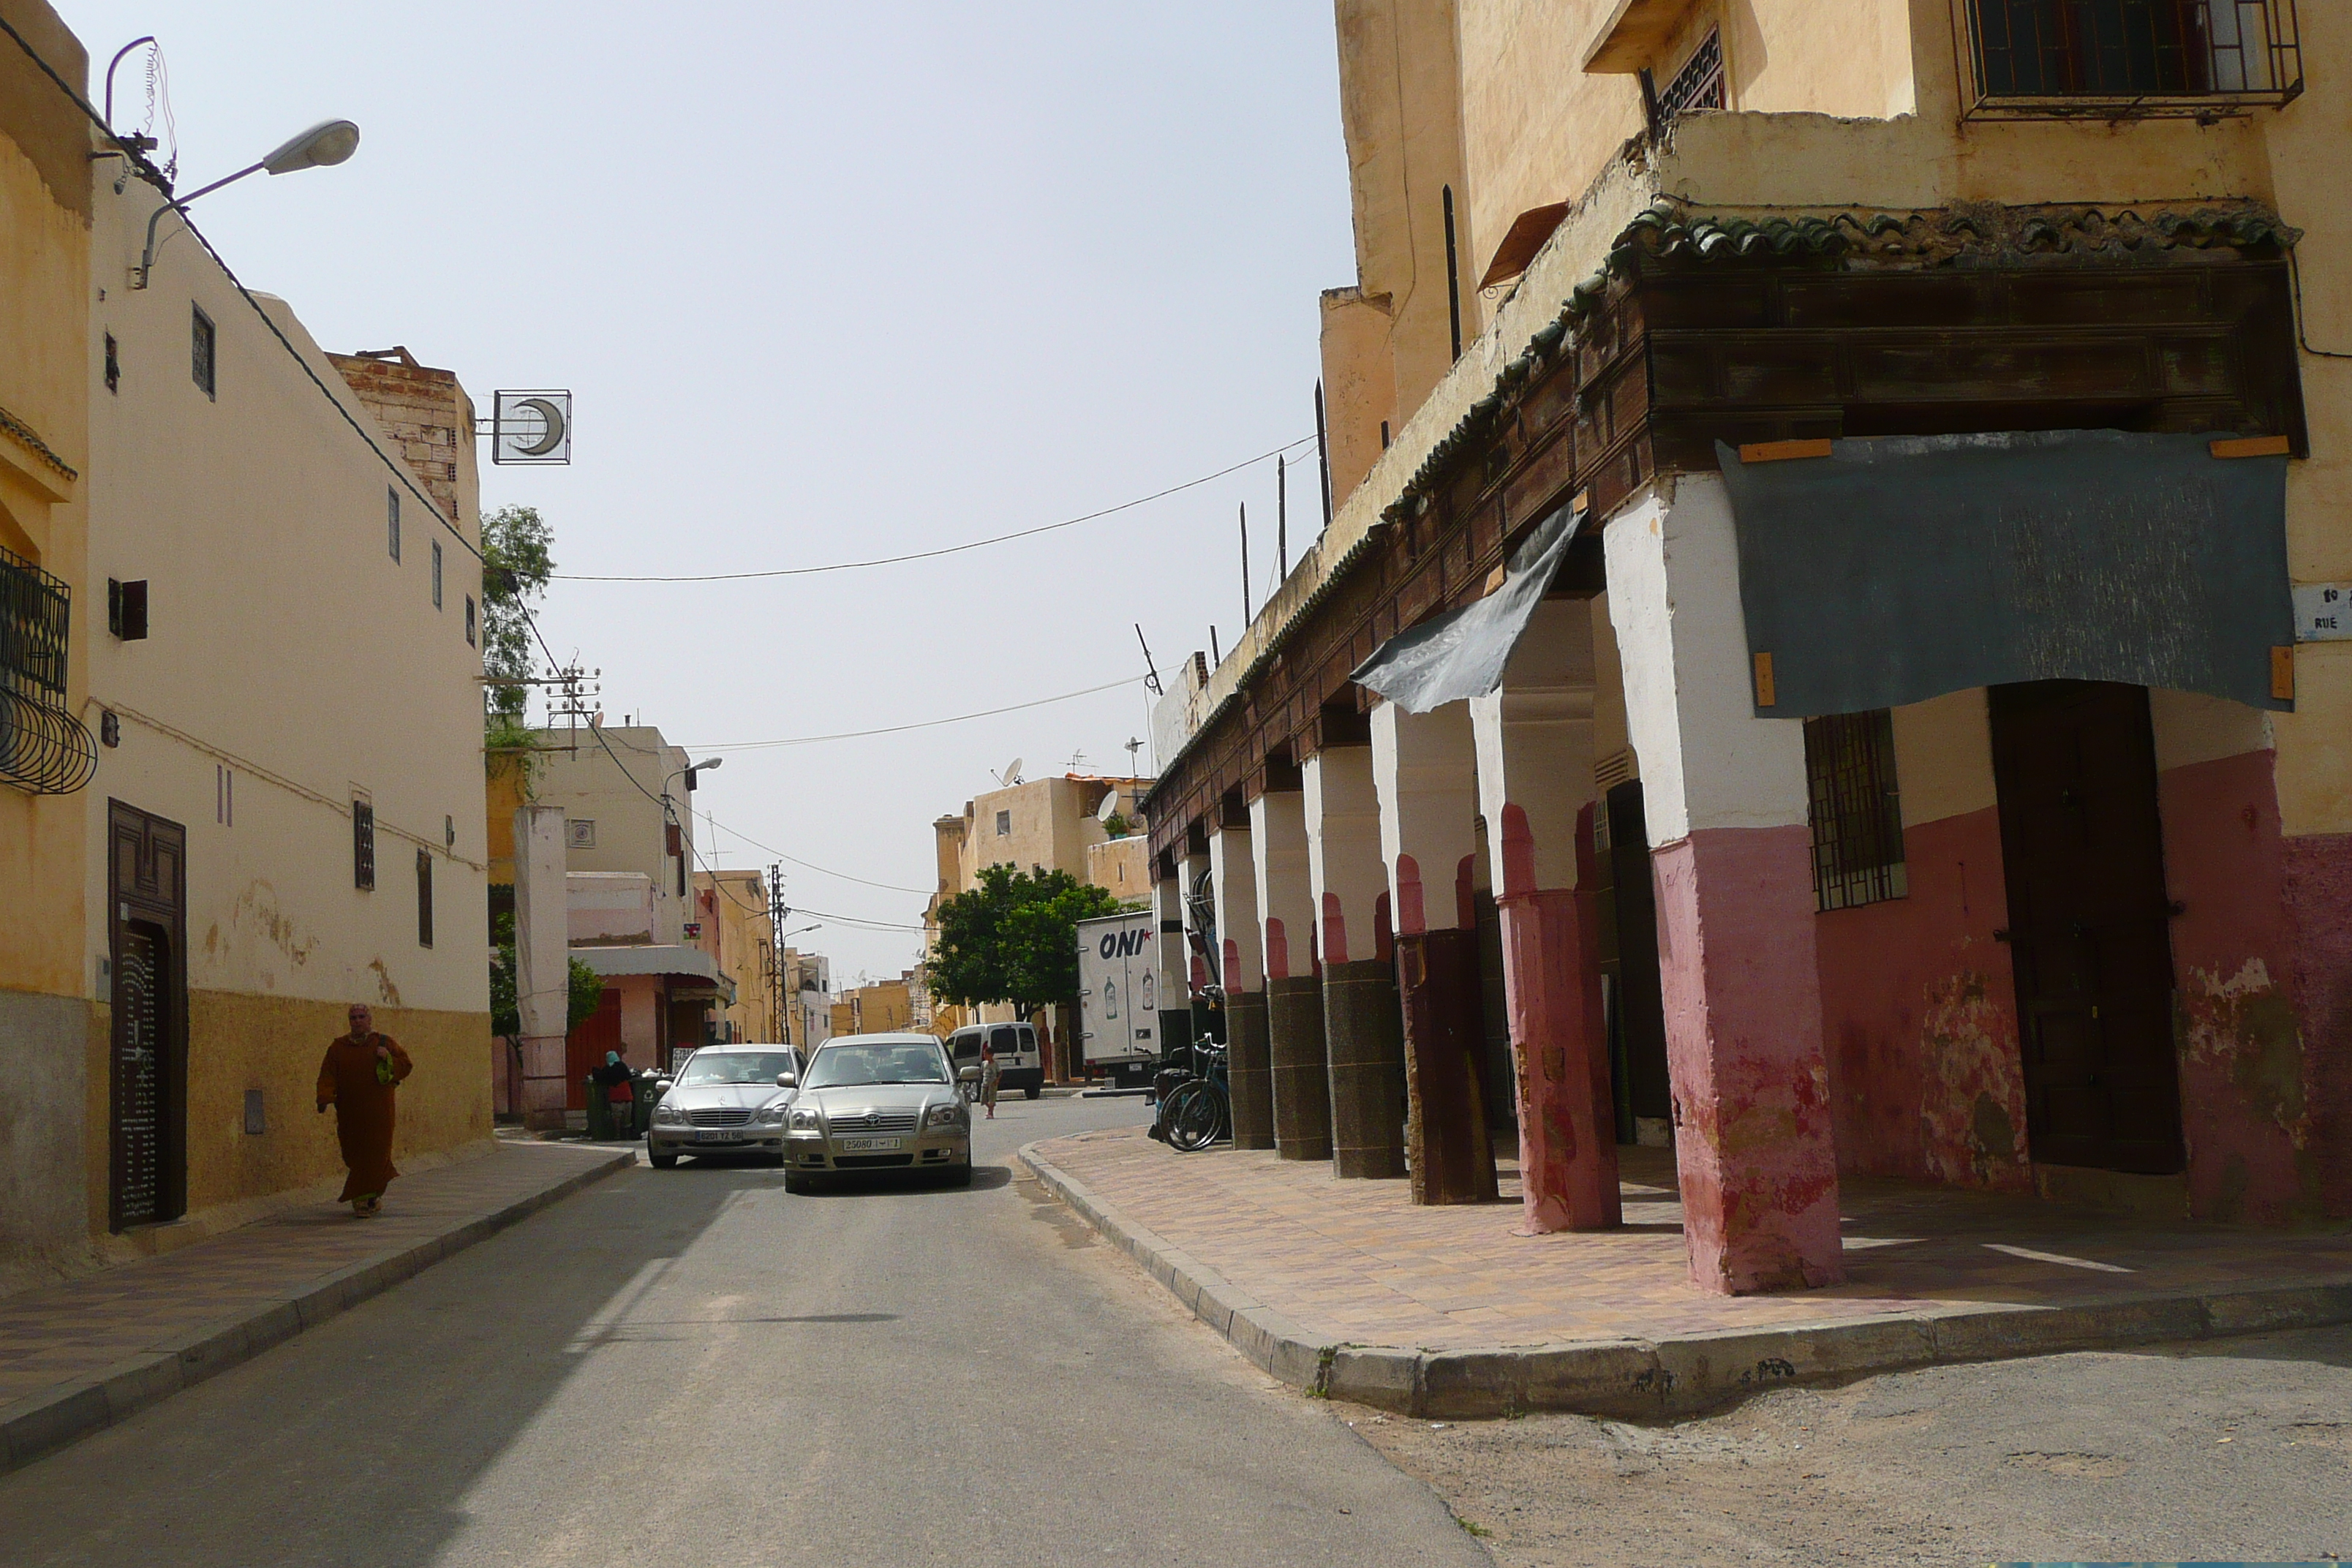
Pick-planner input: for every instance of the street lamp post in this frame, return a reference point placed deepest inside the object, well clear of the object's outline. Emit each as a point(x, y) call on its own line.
point(324, 145)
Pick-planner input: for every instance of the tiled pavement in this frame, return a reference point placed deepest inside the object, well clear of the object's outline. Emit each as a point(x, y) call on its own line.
point(1355, 1261)
point(78, 1356)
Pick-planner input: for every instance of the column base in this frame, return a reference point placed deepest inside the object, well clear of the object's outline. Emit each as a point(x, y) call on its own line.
point(1248, 1079)
point(1452, 1153)
point(1364, 1034)
point(1567, 1134)
point(1299, 1068)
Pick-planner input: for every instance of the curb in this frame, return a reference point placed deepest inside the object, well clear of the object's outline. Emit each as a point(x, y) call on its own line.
point(1686, 1375)
point(41, 1424)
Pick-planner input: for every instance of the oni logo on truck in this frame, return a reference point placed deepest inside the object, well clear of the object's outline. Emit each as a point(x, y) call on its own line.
point(1122, 944)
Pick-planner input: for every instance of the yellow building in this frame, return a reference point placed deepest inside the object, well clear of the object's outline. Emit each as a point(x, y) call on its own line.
point(52, 1037)
point(731, 908)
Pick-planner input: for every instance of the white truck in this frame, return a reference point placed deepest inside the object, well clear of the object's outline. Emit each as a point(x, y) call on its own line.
point(1118, 995)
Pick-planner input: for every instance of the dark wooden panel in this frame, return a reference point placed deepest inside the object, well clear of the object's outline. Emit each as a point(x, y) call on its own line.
point(1978, 369)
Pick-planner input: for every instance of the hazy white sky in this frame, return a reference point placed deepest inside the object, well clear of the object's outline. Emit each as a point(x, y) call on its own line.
point(828, 282)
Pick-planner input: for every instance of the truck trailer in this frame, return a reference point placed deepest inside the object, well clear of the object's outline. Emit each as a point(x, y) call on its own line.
point(1119, 997)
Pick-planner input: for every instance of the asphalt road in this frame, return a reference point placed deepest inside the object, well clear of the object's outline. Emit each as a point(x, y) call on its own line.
point(692, 1367)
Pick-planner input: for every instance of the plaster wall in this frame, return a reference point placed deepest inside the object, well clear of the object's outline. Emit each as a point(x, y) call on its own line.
point(620, 790)
point(1358, 384)
point(1122, 866)
point(737, 902)
point(1343, 852)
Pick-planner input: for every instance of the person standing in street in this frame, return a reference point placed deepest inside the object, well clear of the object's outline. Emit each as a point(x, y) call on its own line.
point(990, 1071)
point(357, 1078)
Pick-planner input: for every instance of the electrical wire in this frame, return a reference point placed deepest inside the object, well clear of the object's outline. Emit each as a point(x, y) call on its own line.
point(933, 555)
point(901, 728)
point(809, 865)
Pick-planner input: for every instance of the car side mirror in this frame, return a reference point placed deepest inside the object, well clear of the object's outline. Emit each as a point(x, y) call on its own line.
point(968, 1074)
point(785, 1080)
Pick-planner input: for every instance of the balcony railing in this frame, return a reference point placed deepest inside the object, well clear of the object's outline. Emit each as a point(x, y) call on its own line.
point(2114, 58)
point(44, 749)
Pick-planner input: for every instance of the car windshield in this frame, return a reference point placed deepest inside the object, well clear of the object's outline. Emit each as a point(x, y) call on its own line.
point(845, 1066)
point(736, 1066)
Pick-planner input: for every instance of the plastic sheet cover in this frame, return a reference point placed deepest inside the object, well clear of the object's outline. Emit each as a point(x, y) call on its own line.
point(1900, 568)
point(1460, 653)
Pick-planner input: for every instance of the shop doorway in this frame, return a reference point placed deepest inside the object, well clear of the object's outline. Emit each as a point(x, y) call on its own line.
point(1633, 1001)
point(147, 1093)
point(2081, 849)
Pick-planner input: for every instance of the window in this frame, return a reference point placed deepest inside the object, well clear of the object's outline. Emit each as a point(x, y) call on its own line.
point(2135, 51)
point(1856, 809)
point(224, 795)
point(436, 574)
point(469, 620)
point(363, 846)
point(1003, 823)
point(201, 348)
point(392, 520)
point(425, 897)
point(1698, 86)
point(113, 366)
point(126, 609)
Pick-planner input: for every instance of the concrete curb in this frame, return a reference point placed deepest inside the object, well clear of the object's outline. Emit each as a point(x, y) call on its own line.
point(1656, 1378)
point(41, 1424)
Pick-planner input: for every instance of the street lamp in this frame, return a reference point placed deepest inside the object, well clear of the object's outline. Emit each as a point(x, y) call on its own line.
point(324, 145)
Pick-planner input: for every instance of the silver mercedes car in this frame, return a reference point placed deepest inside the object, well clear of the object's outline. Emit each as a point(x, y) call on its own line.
point(726, 1099)
point(878, 1102)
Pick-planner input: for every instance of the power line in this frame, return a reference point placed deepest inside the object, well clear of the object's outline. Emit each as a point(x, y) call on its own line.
point(807, 865)
point(932, 554)
point(901, 728)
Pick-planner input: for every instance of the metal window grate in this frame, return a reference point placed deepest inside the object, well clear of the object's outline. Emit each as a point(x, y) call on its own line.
point(1856, 809)
point(203, 346)
point(2135, 51)
point(425, 897)
point(1698, 86)
point(363, 846)
point(44, 749)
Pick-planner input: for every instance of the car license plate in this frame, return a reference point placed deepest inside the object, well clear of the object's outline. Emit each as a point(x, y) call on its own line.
point(728, 1136)
point(855, 1145)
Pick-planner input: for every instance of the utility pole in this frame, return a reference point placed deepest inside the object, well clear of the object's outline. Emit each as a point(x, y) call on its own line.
point(1245, 584)
point(780, 988)
point(1281, 520)
point(1323, 453)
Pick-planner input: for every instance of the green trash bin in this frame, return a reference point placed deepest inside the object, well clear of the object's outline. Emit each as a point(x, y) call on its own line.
point(600, 1114)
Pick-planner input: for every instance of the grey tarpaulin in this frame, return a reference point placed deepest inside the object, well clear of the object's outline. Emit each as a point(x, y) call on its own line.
point(1462, 652)
point(1903, 567)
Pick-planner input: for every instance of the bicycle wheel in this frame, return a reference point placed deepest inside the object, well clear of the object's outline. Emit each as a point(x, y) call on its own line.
point(1198, 1117)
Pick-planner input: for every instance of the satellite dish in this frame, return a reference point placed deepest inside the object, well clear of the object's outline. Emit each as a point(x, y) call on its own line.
point(1011, 773)
point(1110, 807)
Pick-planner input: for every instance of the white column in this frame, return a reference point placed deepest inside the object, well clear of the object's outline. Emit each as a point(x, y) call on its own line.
point(542, 962)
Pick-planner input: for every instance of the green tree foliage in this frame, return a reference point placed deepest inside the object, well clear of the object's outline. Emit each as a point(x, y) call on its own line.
point(506, 1011)
point(1012, 938)
point(515, 566)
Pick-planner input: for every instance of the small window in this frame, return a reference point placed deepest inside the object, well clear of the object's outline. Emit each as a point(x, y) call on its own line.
point(363, 846)
point(1698, 86)
point(201, 344)
point(392, 520)
point(113, 366)
point(469, 620)
point(1855, 810)
point(1003, 823)
point(425, 897)
point(436, 574)
point(224, 795)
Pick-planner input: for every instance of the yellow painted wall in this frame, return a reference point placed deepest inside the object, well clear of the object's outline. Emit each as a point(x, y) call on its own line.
point(746, 949)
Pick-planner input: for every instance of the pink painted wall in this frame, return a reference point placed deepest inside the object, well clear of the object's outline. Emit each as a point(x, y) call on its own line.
point(2317, 890)
point(1919, 1018)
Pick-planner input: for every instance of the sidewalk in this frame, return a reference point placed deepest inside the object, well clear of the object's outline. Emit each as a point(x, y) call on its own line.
point(1347, 1289)
point(86, 1354)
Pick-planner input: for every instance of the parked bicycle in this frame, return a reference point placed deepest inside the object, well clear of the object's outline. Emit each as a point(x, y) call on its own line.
point(1198, 1112)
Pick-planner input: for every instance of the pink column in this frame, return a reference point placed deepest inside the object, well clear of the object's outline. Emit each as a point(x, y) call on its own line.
point(1535, 789)
point(1725, 797)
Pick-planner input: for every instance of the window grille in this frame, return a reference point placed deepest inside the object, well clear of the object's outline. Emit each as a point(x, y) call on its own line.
point(1856, 809)
point(363, 846)
point(201, 344)
point(1698, 86)
point(113, 364)
point(391, 519)
point(425, 897)
point(2032, 55)
point(43, 747)
point(469, 620)
point(436, 574)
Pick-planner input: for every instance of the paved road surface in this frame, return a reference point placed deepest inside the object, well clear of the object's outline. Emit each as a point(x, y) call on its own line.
point(691, 1367)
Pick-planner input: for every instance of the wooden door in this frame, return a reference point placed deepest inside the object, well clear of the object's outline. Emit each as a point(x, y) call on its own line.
point(2075, 769)
point(584, 1047)
point(147, 1163)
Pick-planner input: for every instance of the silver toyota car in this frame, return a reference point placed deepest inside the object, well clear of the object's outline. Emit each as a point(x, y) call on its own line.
point(726, 1099)
point(878, 1102)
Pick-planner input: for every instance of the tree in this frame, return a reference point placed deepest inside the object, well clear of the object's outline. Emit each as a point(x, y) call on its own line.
point(515, 566)
point(1013, 938)
point(506, 1009)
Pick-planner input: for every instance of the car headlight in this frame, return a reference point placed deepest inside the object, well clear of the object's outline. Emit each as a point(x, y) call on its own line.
point(804, 1122)
point(773, 1115)
point(947, 1115)
point(667, 1114)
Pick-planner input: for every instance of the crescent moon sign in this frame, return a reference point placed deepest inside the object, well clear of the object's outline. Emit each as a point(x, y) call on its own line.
point(553, 436)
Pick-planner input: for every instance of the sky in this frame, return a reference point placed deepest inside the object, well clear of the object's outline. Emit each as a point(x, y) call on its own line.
point(827, 283)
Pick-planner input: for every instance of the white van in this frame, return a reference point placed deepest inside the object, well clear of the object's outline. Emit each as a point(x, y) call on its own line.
point(1015, 1045)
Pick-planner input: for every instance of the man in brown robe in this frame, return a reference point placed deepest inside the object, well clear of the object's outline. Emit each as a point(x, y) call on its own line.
point(352, 1080)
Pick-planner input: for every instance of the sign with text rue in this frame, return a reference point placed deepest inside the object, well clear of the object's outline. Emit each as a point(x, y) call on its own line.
point(2323, 611)
point(530, 427)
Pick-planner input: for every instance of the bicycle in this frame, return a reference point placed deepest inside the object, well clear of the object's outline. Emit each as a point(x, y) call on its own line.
point(1198, 1112)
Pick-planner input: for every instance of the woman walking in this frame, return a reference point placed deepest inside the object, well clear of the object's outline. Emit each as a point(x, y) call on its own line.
point(357, 1078)
point(990, 1071)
